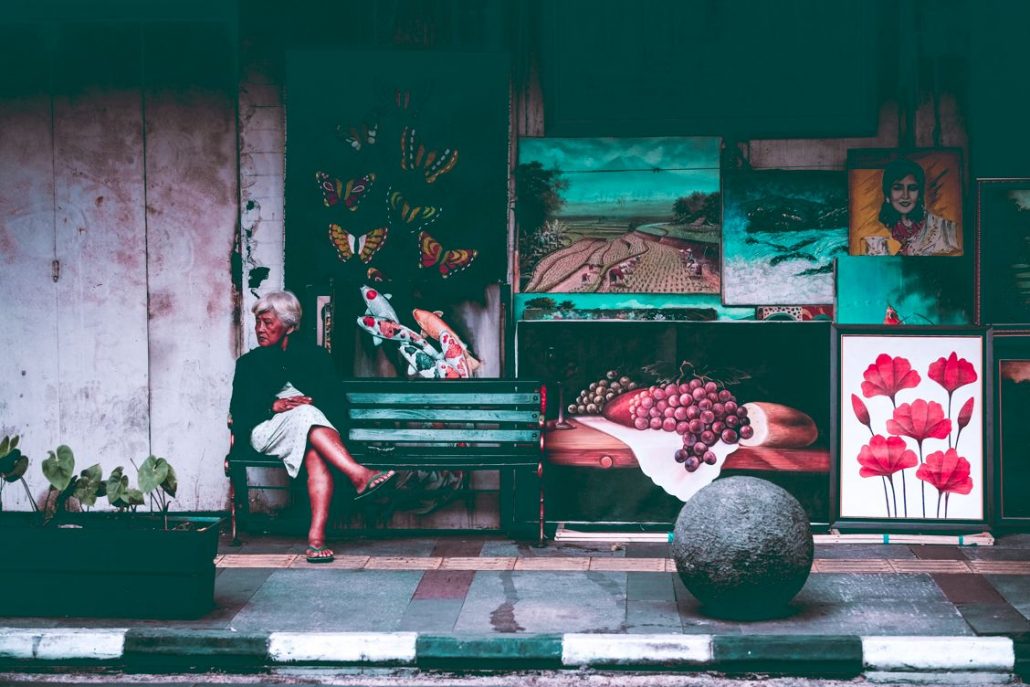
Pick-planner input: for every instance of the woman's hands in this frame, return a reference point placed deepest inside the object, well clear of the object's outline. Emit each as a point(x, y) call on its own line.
point(281, 405)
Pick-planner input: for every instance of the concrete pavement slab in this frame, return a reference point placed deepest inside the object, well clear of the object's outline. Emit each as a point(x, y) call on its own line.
point(652, 616)
point(544, 602)
point(1015, 589)
point(330, 601)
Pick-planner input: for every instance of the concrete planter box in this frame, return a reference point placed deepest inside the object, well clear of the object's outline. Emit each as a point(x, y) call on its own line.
point(107, 565)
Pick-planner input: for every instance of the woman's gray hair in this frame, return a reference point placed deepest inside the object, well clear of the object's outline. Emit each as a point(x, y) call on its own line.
point(284, 304)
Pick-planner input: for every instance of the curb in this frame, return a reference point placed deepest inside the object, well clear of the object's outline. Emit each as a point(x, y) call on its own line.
point(800, 655)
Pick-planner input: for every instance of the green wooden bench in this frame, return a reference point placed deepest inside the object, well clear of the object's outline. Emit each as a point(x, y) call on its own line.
point(458, 424)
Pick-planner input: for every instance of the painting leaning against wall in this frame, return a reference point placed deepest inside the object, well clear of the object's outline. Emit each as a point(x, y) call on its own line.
point(910, 443)
point(781, 231)
point(905, 204)
point(1003, 235)
point(606, 215)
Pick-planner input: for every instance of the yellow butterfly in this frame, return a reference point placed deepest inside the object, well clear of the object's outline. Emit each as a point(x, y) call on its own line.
point(415, 217)
point(365, 246)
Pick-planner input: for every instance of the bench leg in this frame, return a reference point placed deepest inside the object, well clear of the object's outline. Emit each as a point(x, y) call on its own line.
point(540, 479)
point(238, 499)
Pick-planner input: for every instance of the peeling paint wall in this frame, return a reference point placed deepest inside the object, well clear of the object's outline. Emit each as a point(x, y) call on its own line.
point(118, 166)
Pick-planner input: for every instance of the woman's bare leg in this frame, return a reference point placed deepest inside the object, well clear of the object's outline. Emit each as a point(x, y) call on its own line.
point(320, 492)
point(329, 446)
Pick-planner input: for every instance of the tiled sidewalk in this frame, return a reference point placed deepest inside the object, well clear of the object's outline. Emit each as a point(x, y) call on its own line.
point(493, 585)
point(480, 600)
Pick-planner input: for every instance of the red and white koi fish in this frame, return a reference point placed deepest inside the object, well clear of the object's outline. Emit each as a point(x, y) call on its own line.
point(391, 330)
point(377, 304)
point(433, 326)
point(454, 354)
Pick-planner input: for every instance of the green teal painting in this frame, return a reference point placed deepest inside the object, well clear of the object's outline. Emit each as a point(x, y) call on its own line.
point(781, 232)
point(1003, 229)
point(901, 290)
point(607, 215)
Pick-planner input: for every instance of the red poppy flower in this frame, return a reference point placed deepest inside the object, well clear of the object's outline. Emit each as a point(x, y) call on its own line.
point(885, 456)
point(948, 471)
point(965, 414)
point(952, 373)
point(861, 412)
point(920, 420)
point(887, 376)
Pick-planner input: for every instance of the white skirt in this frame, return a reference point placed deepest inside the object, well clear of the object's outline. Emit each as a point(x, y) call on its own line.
point(285, 436)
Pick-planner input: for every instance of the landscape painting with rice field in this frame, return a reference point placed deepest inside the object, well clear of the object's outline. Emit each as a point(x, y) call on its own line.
point(606, 215)
point(781, 233)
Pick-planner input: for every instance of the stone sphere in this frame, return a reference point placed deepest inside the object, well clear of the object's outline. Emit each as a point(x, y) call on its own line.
point(743, 546)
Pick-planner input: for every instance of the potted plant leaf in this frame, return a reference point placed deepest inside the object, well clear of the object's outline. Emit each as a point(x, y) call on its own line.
point(125, 563)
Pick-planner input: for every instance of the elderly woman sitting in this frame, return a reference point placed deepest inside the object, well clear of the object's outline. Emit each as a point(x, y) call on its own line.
point(283, 394)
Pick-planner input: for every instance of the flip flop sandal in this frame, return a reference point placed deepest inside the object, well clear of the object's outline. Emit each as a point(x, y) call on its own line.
point(316, 554)
point(378, 481)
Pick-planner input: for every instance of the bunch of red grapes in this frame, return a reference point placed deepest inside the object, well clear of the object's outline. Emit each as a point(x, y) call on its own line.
point(701, 412)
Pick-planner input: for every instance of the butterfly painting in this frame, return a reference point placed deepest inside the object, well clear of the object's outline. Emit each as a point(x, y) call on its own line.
point(447, 261)
point(357, 137)
point(433, 163)
point(352, 192)
point(365, 246)
point(413, 217)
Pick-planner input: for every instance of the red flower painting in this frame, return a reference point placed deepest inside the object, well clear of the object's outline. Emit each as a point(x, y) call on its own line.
point(883, 456)
point(861, 412)
point(952, 372)
point(887, 376)
point(949, 473)
point(920, 420)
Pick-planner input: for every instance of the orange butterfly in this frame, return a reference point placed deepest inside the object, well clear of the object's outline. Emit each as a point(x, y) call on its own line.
point(348, 245)
point(432, 254)
point(434, 163)
point(354, 191)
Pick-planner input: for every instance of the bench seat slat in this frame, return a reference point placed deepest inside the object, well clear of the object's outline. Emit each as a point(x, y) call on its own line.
point(486, 435)
point(446, 414)
point(457, 398)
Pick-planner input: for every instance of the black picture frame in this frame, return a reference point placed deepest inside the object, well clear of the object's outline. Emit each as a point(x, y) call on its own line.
point(856, 507)
point(1002, 245)
point(1008, 445)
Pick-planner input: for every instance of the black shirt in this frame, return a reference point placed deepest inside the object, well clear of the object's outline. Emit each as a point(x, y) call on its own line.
point(261, 374)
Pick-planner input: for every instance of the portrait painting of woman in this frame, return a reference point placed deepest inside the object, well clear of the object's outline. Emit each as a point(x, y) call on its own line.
point(905, 205)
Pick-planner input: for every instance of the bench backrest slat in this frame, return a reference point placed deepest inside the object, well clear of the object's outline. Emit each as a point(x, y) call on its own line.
point(469, 435)
point(412, 397)
point(446, 414)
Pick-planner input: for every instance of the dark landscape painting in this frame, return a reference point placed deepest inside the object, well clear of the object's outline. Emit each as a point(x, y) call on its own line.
point(781, 232)
point(1004, 229)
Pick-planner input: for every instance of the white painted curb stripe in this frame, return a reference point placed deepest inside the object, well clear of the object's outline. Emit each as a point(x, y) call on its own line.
point(938, 653)
point(631, 649)
point(61, 644)
point(347, 647)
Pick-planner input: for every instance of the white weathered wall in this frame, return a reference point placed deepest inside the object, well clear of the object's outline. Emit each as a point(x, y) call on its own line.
point(132, 187)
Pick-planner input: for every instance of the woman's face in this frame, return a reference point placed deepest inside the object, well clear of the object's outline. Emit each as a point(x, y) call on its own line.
point(269, 328)
point(904, 194)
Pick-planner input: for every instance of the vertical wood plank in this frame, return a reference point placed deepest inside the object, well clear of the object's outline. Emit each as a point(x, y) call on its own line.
point(102, 294)
point(192, 206)
point(28, 337)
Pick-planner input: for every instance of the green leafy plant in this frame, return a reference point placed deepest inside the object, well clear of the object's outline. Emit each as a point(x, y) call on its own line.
point(13, 465)
point(156, 479)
